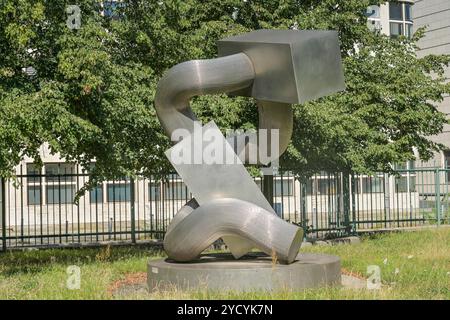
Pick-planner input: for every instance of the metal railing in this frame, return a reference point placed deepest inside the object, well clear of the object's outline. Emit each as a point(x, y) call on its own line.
point(38, 210)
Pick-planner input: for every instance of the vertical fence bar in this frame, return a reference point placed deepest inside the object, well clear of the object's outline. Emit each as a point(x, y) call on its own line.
point(438, 196)
point(3, 206)
point(353, 195)
point(346, 201)
point(268, 188)
point(132, 209)
point(303, 207)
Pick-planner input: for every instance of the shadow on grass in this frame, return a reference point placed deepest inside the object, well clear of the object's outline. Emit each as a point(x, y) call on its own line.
point(33, 261)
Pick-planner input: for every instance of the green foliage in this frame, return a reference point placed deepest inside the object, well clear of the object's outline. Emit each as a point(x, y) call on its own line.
point(92, 94)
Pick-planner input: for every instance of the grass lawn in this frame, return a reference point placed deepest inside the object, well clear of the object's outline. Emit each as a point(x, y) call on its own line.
point(414, 265)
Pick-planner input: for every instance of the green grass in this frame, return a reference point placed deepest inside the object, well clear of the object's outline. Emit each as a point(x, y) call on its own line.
point(421, 258)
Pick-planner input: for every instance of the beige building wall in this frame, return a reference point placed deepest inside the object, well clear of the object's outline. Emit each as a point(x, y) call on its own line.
point(435, 16)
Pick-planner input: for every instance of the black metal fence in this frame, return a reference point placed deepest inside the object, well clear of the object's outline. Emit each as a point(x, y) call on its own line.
point(38, 209)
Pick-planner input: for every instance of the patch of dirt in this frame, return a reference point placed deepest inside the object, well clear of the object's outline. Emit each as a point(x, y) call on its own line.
point(352, 274)
point(132, 281)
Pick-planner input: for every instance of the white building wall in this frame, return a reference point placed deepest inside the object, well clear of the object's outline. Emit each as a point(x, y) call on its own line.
point(435, 16)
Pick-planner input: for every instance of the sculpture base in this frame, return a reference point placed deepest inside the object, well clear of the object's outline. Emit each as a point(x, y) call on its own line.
point(253, 272)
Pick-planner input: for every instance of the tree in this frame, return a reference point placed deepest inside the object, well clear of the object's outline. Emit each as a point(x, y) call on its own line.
point(92, 94)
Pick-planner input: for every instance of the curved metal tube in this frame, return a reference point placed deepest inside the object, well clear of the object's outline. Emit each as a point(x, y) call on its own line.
point(198, 77)
point(229, 217)
point(242, 225)
point(221, 75)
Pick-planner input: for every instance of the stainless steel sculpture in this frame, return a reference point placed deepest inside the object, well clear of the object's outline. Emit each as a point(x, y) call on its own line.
point(278, 68)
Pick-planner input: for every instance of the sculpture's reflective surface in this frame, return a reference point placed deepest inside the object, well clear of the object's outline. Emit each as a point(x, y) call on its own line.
point(278, 68)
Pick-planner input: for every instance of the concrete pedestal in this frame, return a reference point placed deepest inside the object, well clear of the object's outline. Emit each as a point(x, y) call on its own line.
point(254, 272)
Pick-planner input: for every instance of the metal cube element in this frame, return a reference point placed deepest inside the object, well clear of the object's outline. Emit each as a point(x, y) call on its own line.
point(291, 66)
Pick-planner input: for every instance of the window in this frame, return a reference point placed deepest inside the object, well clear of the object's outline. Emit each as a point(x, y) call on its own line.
point(401, 184)
point(154, 191)
point(34, 187)
point(408, 12)
point(372, 185)
point(175, 190)
point(400, 19)
point(324, 185)
point(447, 163)
point(60, 172)
point(396, 29)
point(58, 194)
point(118, 192)
point(310, 186)
point(395, 11)
point(34, 195)
point(32, 169)
point(60, 182)
point(96, 195)
point(357, 185)
point(283, 188)
point(405, 165)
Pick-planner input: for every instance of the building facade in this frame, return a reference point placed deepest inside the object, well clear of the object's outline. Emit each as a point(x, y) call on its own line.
point(435, 16)
point(392, 19)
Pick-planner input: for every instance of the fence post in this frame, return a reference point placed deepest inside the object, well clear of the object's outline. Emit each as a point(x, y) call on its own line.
point(346, 201)
point(438, 196)
point(268, 188)
point(303, 207)
point(132, 209)
point(353, 195)
point(3, 208)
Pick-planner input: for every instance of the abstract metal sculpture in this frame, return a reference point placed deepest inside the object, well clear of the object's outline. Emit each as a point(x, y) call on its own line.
point(277, 68)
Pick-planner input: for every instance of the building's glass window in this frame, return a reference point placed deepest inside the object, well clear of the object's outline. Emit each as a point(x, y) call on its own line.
point(319, 186)
point(395, 11)
point(310, 187)
point(401, 184)
point(60, 172)
point(412, 184)
point(357, 185)
point(408, 12)
point(33, 170)
point(396, 29)
point(278, 208)
point(447, 163)
point(154, 191)
point(60, 182)
point(96, 195)
point(405, 165)
point(175, 190)
point(283, 188)
point(58, 194)
point(372, 185)
point(34, 195)
point(324, 186)
point(118, 192)
point(34, 184)
point(400, 19)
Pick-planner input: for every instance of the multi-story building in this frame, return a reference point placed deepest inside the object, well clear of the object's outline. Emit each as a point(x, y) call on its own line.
point(393, 19)
point(435, 16)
